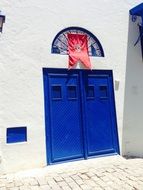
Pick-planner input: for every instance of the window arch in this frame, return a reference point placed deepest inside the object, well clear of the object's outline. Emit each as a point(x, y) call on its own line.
point(60, 42)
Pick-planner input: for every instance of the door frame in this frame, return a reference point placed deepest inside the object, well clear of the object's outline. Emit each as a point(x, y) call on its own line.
point(47, 110)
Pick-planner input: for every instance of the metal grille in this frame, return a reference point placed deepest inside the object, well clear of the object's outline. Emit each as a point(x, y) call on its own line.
point(60, 43)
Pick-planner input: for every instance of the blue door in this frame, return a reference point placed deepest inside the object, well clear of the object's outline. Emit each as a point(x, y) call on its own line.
point(100, 118)
point(80, 114)
point(64, 132)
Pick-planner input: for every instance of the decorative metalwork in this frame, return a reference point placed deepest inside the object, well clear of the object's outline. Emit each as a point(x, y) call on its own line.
point(60, 42)
point(135, 13)
point(134, 18)
point(2, 20)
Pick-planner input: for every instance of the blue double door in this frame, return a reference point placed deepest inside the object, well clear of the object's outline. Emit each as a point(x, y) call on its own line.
point(80, 114)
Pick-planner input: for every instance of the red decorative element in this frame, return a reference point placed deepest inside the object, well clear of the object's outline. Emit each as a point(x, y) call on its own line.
point(78, 50)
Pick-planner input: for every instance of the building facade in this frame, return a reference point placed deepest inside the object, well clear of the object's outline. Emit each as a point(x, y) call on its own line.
point(39, 124)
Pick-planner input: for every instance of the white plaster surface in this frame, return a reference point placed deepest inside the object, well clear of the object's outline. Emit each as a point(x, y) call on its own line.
point(133, 104)
point(25, 48)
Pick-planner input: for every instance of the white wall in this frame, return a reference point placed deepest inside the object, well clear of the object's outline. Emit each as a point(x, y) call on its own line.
point(133, 105)
point(25, 48)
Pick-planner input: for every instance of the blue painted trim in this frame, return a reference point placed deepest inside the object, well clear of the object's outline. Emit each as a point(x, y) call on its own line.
point(138, 10)
point(103, 155)
point(79, 159)
point(114, 116)
point(83, 30)
point(83, 120)
point(47, 118)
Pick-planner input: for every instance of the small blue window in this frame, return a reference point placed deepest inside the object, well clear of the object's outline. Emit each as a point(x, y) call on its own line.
point(90, 92)
point(103, 92)
point(56, 92)
point(16, 134)
point(72, 92)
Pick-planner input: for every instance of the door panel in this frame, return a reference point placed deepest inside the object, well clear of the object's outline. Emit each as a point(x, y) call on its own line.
point(98, 115)
point(66, 134)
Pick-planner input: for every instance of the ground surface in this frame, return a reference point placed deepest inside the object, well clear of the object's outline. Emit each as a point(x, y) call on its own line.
point(107, 173)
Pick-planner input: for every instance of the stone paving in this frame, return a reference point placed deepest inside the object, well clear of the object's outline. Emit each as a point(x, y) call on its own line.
point(106, 173)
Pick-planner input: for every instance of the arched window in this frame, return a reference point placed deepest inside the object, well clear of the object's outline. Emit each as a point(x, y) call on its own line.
point(60, 42)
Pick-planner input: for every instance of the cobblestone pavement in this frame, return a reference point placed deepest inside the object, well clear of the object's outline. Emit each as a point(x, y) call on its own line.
point(107, 173)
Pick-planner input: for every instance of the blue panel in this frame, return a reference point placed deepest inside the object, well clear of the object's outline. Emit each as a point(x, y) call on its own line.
point(65, 132)
point(16, 134)
point(100, 129)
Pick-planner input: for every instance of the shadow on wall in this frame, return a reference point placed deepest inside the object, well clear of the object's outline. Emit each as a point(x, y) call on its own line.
point(132, 142)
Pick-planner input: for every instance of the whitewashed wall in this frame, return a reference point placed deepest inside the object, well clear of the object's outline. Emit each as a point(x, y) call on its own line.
point(25, 48)
point(133, 104)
